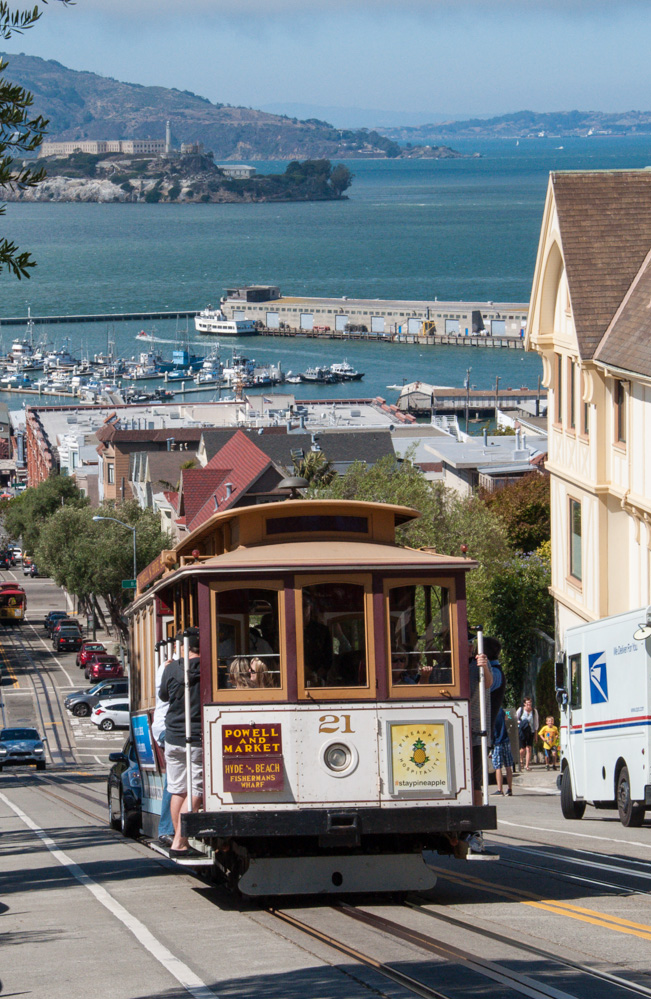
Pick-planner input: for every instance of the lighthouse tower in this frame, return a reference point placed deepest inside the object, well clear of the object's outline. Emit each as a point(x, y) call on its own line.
point(168, 139)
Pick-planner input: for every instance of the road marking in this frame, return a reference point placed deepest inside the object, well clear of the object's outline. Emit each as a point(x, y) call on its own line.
point(101, 763)
point(604, 920)
point(180, 971)
point(10, 670)
point(68, 678)
point(563, 832)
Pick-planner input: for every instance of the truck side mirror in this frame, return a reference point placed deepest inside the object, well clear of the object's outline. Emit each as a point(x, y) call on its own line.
point(559, 681)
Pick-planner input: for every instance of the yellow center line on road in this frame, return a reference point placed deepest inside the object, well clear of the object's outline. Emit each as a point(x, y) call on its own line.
point(606, 921)
point(10, 672)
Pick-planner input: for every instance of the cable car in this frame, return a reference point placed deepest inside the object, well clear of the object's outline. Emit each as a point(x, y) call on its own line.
point(334, 691)
point(13, 603)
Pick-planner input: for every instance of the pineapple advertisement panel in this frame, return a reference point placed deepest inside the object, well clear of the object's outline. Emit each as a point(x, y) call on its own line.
point(419, 758)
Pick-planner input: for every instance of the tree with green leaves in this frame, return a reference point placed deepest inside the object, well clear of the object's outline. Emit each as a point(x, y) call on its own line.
point(90, 559)
point(315, 468)
point(24, 516)
point(520, 605)
point(19, 134)
point(525, 508)
point(447, 520)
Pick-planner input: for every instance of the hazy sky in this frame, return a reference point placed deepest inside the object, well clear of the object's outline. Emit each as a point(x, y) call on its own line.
point(451, 56)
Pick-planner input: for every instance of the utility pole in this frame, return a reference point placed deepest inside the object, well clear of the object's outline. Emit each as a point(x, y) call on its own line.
point(468, 370)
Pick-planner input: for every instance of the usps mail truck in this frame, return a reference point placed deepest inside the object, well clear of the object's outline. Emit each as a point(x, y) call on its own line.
point(604, 689)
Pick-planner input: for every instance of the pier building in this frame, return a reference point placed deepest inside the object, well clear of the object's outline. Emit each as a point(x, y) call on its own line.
point(267, 305)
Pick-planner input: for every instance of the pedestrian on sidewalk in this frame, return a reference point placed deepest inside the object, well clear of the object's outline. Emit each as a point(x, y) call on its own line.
point(502, 755)
point(528, 722)
point(549, 736)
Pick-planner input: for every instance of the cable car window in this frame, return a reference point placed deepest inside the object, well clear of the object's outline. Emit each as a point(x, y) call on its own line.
point(421, 645)
point(248, 645)
point(575, 680)
point(334, 635)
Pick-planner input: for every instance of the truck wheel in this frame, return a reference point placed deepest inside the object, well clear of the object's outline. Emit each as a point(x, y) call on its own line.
point(630, 814)
point(570, 808)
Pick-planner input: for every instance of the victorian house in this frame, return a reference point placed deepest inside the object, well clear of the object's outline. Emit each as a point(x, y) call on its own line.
point(590, 320)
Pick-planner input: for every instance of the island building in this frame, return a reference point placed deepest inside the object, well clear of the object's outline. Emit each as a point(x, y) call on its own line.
point(154, 147)
point(266, 304)
point(590, 322)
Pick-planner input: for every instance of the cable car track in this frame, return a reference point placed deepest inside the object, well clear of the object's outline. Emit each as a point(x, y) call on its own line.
point(500, 974)
point(47, 704)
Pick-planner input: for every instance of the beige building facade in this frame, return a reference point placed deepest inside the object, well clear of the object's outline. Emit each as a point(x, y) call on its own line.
point(156, 147)
point(590, 320)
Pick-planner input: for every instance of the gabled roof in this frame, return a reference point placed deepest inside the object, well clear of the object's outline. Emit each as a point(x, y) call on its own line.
point(197, 485)
point(239, 463)
point(605, 226)
point(337, 446)
point(627, 341)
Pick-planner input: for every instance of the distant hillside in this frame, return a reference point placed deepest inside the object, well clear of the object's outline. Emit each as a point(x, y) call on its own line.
point(83, 105)
point(522, 124)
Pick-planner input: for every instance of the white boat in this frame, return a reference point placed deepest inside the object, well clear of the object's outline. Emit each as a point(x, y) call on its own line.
point(211, 372)
point(214, 321)
point(345, 372)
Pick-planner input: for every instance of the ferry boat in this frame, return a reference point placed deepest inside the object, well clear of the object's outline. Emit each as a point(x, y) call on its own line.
point(213, 321)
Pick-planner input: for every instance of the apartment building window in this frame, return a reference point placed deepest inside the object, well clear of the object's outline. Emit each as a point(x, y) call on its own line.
point(571, 394)
point(576, 567)
point(558, 391)
point(620, 412)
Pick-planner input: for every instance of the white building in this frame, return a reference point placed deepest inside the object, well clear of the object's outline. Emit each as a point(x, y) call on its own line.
point(589, 319)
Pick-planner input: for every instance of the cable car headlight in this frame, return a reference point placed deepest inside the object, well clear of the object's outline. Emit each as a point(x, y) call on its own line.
point(338, 759)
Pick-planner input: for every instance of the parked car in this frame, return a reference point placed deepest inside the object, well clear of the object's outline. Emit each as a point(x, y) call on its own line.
point(86, 651)
point(16, 553)
point(20, 746)
point(82, 702)
point(66, 639)
point(52, 618)
point(4, 562)
point(101, 667)
point(124, 790)
point(110, 714)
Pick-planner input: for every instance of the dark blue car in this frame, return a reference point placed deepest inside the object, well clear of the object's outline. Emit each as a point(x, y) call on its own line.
point(125, 790)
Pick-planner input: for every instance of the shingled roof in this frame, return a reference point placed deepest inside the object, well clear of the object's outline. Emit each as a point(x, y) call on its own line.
point(627, 342)
point(605, 225)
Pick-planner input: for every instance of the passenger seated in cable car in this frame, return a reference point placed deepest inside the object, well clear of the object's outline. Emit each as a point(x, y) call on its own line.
point(249, 673)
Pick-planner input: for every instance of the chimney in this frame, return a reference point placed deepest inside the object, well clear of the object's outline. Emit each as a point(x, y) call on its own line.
point(485, 436)
point(302, 421)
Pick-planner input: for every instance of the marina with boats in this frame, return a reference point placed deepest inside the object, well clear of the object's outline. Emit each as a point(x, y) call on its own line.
point(36, 367)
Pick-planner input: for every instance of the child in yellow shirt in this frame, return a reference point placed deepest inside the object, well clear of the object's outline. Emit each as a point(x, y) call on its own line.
point(549, 736)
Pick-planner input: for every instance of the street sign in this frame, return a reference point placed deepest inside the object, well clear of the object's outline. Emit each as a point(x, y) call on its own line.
point(129, 584)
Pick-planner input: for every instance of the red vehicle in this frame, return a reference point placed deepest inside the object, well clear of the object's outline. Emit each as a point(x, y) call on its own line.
point(13, 603)
point(86, 651)
point(101, 667)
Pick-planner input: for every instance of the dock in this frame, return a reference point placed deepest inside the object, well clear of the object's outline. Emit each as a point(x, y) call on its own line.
point(101, 317)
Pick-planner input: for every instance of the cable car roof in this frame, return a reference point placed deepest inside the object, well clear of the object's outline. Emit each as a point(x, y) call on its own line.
point(249, 525)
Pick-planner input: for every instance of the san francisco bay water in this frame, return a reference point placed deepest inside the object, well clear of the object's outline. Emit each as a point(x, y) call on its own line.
point(452, 229)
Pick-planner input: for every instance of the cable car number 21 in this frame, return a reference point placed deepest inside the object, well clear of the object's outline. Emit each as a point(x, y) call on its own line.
point(335, 723)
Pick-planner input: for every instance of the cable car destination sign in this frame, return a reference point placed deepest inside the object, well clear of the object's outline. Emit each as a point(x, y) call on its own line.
point(252, 758)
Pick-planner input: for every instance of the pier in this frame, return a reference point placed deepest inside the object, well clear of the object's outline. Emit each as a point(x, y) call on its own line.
point(419, 398)
point(429, 339)
point(102, 317)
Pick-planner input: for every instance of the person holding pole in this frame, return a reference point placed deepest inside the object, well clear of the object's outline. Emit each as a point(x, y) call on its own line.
point(481, 680)
point(180, 687)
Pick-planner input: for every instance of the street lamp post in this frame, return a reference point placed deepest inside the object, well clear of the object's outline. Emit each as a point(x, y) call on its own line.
point(133, 531)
